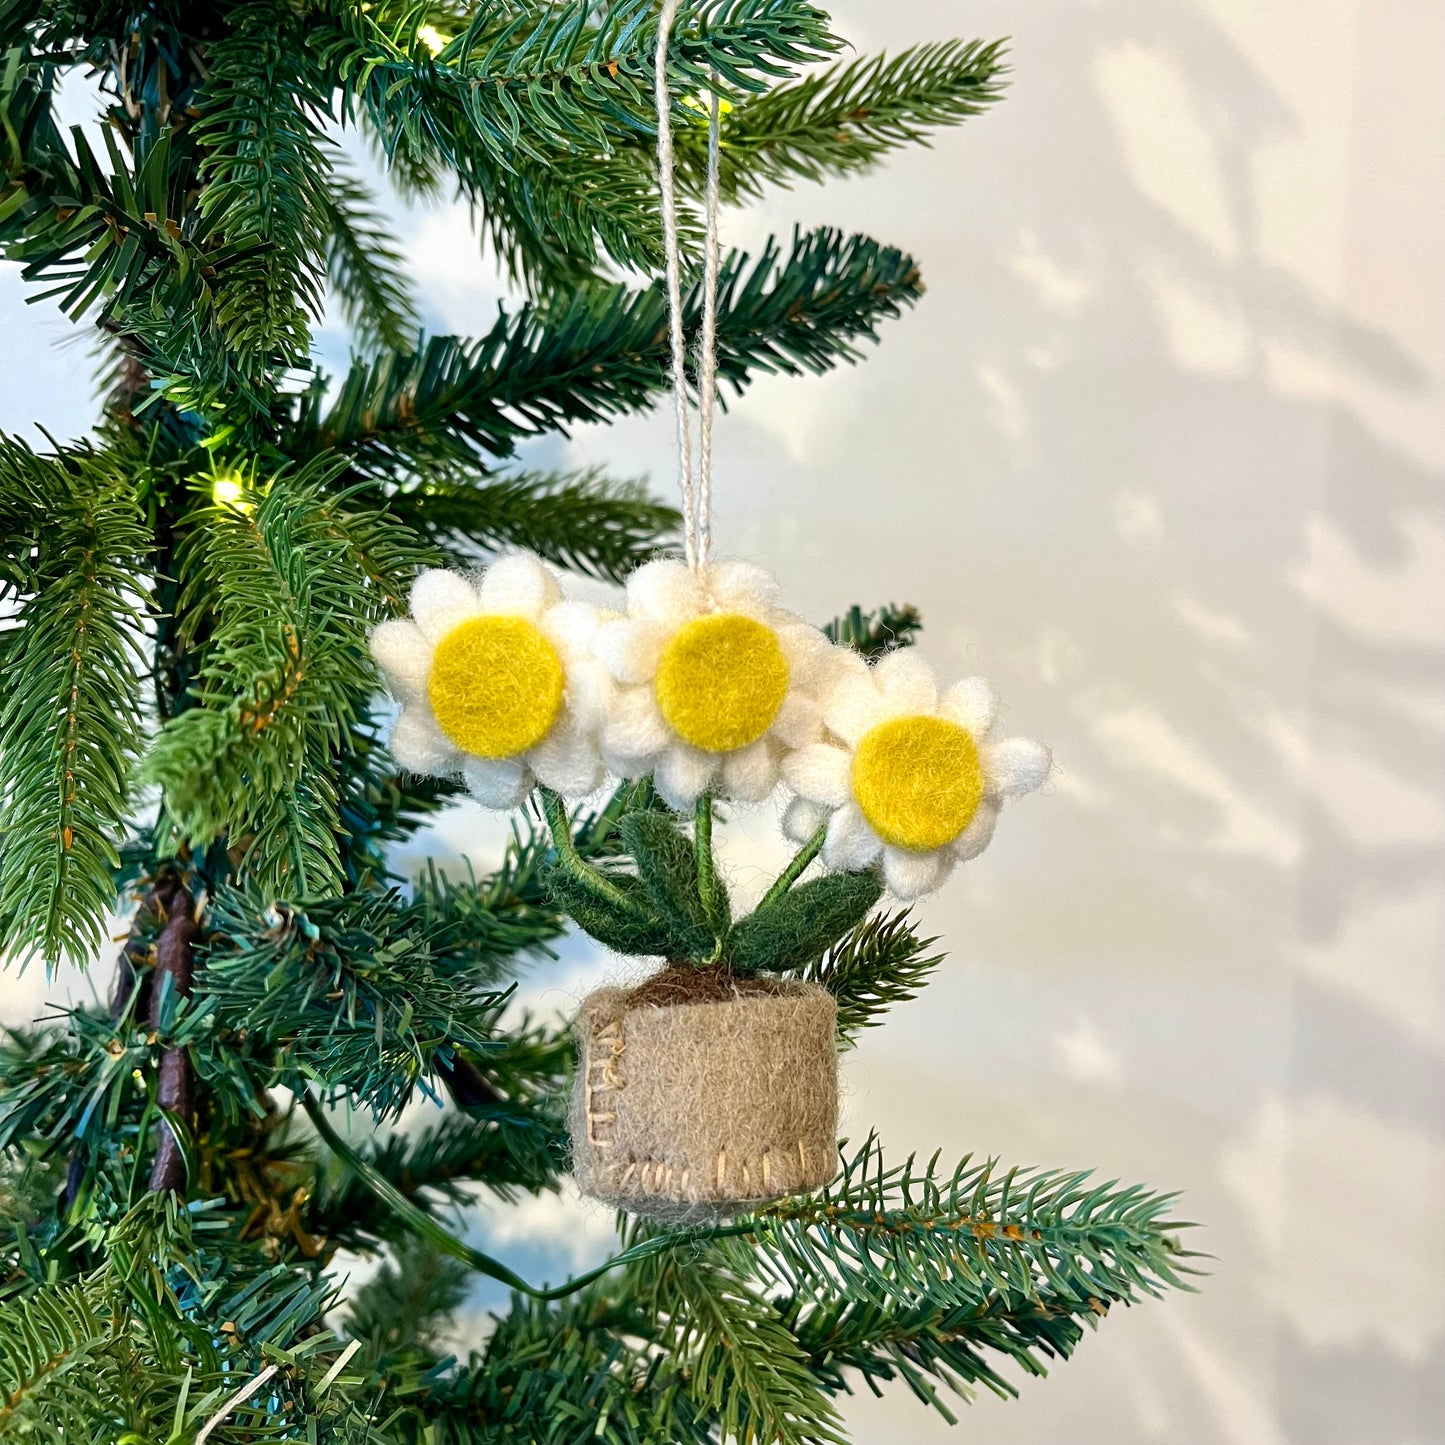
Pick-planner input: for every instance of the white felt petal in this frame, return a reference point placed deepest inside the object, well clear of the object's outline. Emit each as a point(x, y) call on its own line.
point(1016, 766)
point(635, 730)
point(568, 762)
point(744, 587)
point(591, 696)
point(440, 599)
point(404, 656)
point(853, 707)
point(979, 833)
point(911, 875)
point(520, 585)
point(497, 782)
point(801, 819)
point(799, 721)
point(972, 704)
point(908, 684)
point(630, 648)
point(683, 775)
point(751, 773)
point(418, 744)
point(572, 627)
point(850, 844)
point(820, 773)
point(665, 590)
point(809, 654)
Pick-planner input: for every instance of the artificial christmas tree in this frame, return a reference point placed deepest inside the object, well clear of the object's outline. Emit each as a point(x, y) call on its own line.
point(190, 724)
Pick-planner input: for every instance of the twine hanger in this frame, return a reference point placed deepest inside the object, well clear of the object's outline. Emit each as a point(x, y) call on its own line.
point(696, 492)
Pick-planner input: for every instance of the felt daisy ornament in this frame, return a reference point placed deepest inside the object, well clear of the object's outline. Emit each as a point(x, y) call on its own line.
point(715, 681)
point(908, 774)
point(498, 681)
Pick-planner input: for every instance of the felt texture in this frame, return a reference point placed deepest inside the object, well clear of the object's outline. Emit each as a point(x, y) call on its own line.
point(402, 652)
point(850, 842)
point(918, 781)
point(440, 600)
point(630, 648)
point(1018, 766)
point(683, 774)
point(519, 584)
point(908, 680)
point(911, 875)
point(664, 589)
point(620, 914)
point(692, 1112)
point(801, 925)
point(497, 782)
point(720, 681)
point(634, 733)
point(567, 761)
point(820, 773)
point(979, 833)
point(496, 686)
point(667, 866)
point(416, 744)
point(750, 774)
point(971, 703)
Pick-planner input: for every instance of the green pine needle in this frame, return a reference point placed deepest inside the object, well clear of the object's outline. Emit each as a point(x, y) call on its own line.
point(71, 718)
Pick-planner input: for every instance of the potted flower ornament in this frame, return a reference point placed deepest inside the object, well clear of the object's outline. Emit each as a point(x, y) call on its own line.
point(711, 1087)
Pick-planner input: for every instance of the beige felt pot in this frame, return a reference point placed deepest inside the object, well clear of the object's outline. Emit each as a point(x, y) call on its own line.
point(697, 1110)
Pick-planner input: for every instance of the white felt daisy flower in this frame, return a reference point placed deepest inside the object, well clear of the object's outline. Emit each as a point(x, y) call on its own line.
point(498, 681)
point(908, 775)
point(716, 682)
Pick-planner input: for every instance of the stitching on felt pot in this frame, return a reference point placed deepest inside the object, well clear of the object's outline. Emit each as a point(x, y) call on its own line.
point(612, 1080)
point(659, 1177)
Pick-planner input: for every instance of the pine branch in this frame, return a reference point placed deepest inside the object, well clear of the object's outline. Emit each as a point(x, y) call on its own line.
point(365, 266)
point(151, 1342)
point(521, 83)
point(55, 1359)
point(439, 1169)
point(554, 1375)
point(346, 992)
point(70, 720)
point(265, 185)
point(883, 962)
point(931, 1346)
point(905, 1236)
point(291, 583)
point(845, 119)
point(553, 226)
point(119, 237)
point(380, 804)
point(403, 1308)
point(580, 520)
point(739, 1362)
point(874, 633)
point(602, 352)
point(70, 1089)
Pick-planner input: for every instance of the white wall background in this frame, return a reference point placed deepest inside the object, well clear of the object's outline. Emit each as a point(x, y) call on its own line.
point(1162, 452)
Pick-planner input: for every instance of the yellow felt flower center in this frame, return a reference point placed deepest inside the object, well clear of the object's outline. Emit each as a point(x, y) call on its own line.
point(720, 682)
point(918, 780)
point(495, 686)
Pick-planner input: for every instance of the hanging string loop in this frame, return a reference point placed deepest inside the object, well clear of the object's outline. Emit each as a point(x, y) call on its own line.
point(696, 490)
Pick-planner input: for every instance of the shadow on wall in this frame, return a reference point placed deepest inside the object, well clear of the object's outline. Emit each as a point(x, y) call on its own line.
point(1146, 465)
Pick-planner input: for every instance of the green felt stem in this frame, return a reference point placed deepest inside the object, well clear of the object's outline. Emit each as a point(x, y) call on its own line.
point(430, 1230)
point(555, 811)
point(708, 882)
point(795, 869)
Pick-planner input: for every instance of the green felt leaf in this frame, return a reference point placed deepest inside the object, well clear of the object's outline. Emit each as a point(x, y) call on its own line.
point(620, 916)
point(797, 928)
point(667, 868)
